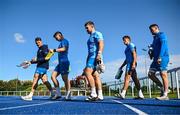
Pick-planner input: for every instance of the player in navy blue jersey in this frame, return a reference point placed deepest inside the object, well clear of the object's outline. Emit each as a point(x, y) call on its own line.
point(41, 69)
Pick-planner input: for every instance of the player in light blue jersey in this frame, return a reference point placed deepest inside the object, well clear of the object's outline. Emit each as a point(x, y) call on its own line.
point(95, 48)
point(131, 63)
point(63, 67)
point(160, 62)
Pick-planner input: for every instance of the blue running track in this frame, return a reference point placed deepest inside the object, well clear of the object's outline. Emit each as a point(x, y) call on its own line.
point(110, 105)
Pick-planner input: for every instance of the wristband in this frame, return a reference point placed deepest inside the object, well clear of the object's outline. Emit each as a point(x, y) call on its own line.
point(54, 50)
point(99, 52)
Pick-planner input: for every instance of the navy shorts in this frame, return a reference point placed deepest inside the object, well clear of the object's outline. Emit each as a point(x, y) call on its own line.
point(159, 67)
point(63, 68)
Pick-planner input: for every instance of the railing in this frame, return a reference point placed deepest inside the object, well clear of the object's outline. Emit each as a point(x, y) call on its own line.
point(75, 92)
point(149, 88)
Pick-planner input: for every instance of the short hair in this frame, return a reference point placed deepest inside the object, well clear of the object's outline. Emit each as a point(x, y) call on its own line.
point(126, 36)
point(89, 23)
point(153, 25)
point(58, 32)
point(38, 39)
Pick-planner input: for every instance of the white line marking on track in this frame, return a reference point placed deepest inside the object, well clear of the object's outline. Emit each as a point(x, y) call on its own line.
point(132, 108)
point(1, 109)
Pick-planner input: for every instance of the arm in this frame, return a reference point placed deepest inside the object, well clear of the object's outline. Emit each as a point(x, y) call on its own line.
point(100, 50)
point(63, 48)
point(60, 49)
point(134, 59)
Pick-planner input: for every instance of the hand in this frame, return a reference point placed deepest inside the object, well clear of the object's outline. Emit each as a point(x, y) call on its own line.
point(98, 57)
point(34, 59)
point(29, 62)
point(51, 50)
point(159, 61)
point(133, 66)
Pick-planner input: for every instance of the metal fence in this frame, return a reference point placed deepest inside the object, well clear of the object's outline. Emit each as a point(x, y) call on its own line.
point(75, 92)
point(149, 88)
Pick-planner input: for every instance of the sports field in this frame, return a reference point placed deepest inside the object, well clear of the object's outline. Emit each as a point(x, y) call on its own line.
point(110, 105)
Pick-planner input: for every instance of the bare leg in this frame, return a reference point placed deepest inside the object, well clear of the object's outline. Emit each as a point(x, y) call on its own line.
point(126, 81)
point(88, 73)
point(165, 81)
point(67, 82)
point(56, 84)
point(97, 80)
point(98, 84)
point(35, 83)
point(54, 78)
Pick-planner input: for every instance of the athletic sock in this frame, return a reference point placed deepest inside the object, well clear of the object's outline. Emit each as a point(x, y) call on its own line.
point(93, 92)
point(165, 93)
point(68, 92)
point(31, 94)
point(140, 94)
point(100, 95)
point(58, 91)
point(123, 92)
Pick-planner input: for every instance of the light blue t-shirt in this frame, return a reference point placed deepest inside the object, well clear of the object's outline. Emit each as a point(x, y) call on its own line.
point(128, 52)
point(92, 43)
point(63, 56)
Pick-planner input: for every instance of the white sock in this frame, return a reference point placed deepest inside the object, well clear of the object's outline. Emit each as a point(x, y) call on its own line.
point(93, 92)
point(100, 95)
point(31, 94)
point(165, 93)
point(58, 91)
point(123, 92)
point(140, 94)
point(68, 92)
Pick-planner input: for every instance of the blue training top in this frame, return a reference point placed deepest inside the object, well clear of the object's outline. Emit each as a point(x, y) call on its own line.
point(128, 52)
point(63, 56)
point(92, 43)
point(160, 46)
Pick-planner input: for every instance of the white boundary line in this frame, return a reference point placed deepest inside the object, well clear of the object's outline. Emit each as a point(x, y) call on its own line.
point(139, 112)
point(17, 107)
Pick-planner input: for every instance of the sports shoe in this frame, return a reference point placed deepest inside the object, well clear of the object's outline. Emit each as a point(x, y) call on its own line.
point(56, 97)
point(162, 98)
point(91, 98)
point(52, 95)
point(68, 96)
point(26, 98)
point(162, 92)
point(100, 98)
point(120, 95)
